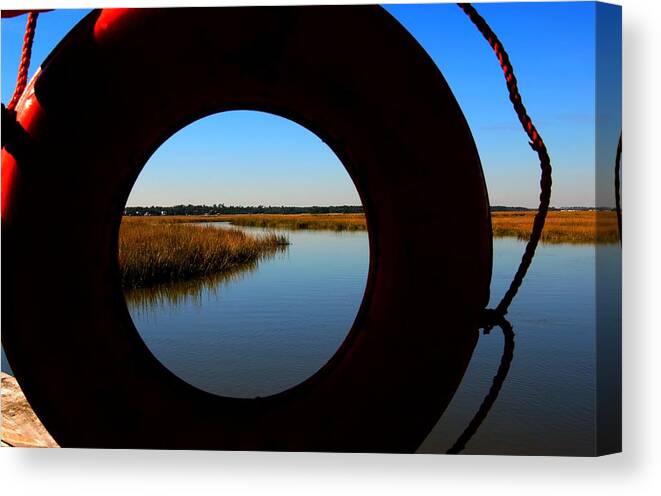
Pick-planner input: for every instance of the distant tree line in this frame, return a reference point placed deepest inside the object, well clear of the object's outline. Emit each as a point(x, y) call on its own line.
point(217, 209)
point(501, 208)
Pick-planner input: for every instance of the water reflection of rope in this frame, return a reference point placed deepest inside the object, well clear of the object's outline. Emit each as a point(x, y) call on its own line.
point(496, 317)
point(490, 398)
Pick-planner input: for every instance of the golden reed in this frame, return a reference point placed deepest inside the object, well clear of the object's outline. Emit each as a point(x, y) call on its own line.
point(155, 252)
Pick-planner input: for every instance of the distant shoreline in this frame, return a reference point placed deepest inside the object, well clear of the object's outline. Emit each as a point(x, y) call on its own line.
point(562, 226)
point(221, 209)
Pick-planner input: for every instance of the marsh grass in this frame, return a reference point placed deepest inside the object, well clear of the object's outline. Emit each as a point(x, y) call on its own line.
point(332, 222)
point(561, 226)
point(579, 227)
point(153, 253)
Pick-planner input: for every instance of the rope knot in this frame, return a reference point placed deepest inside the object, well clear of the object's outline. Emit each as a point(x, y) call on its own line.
point(15, 139)
point(490, 318)
point(12, 131)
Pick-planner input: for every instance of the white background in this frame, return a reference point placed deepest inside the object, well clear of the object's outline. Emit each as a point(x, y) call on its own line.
point(636, 471)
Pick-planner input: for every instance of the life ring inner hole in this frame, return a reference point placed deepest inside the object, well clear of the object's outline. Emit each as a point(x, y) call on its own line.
point(243, 314)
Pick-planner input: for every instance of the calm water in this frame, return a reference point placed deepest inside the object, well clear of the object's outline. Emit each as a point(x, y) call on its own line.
point(263, 330)
point(547, 403)
point(269, 328)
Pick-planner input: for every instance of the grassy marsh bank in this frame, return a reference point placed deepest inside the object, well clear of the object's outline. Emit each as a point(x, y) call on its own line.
point(155, 252)
point(561, 226)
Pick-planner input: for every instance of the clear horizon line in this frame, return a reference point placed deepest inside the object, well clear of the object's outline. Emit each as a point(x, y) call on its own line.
point(339, 205)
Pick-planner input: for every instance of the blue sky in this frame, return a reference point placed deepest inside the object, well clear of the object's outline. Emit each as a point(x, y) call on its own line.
point(254, 158)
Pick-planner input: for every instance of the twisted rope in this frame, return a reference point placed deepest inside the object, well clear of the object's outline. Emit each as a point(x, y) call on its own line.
point(536, 143)
point(618, 205)
point(14, 137)
point(24, 65)
point(496, 317)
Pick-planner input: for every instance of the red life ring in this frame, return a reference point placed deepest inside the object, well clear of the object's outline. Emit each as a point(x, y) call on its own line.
point(117, 87)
